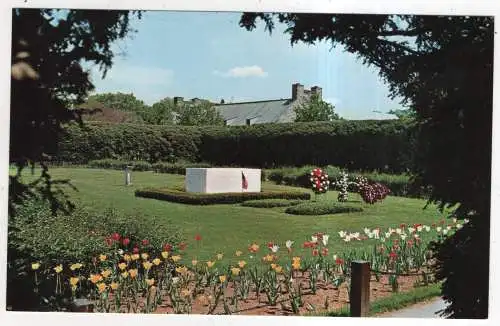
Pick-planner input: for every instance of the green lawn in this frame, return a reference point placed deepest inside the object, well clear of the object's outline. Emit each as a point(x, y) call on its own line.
point(225, 228)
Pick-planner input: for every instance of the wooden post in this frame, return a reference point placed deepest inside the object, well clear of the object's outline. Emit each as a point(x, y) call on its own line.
point(82, 305)
point(359, 297)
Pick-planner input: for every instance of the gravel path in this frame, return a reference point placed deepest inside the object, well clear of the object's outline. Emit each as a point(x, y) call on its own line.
point(424, 310)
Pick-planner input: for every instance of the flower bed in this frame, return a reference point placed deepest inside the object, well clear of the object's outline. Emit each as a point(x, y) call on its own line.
point(223, 198)
point(266, 279)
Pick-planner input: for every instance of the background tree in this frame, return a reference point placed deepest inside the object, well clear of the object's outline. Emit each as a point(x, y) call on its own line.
point(161, 112)
point(119, 101)
point(204, 113)
point(47, 79)
point(315, 110)
point(442, 68)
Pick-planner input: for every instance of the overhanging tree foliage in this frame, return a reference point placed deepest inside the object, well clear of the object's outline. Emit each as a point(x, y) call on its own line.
point(48, 49)
point(442, 68)
point(47, 79)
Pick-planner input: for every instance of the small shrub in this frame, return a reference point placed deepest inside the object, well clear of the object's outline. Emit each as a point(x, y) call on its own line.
point(322, 208)
point(222, 198)
point(269, 203)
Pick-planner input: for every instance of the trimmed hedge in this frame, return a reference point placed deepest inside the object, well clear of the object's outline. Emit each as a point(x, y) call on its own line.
point(210, 199)
point(367, 145)
point(120, 165)
point(177, 168)
point(270, 203)
point(322, 208)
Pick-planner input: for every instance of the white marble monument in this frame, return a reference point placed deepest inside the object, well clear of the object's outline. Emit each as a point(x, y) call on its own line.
point(222, 180)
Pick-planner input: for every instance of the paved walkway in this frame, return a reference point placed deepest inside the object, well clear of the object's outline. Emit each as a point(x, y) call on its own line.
point(424, 310)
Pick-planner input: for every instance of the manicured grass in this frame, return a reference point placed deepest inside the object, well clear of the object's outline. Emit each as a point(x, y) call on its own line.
point(226, 228)
point(394, 302)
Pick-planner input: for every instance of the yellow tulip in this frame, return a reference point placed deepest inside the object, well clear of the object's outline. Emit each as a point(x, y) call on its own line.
point(278, 269)
point(73, 281)
point(102, 257)
point(144, 256)
point(164, 254)
point(58, 269)
point(210, 264)
point(35, 266)
point(94, 278)
point(156, 261)
point(124, 274)
point(113, 285)
point(222, 278)
point(122, 266)
point(219, 256)
point(181, 270)
point(75, 266)
point(242, 263)
point(235, 271)
point(133, 273)
point(150, 282)
point(147, 265)
point(106, 273)
point(238, 253)
point(135, 256)
point(176, 258)
point(101, 287)
point(127, 257)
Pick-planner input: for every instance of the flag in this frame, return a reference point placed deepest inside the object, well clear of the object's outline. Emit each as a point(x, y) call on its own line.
point(244, 183)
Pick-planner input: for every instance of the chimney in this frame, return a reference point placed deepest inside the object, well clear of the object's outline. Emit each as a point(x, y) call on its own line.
point(178, 99)
point(297, 91)
point(317, 90)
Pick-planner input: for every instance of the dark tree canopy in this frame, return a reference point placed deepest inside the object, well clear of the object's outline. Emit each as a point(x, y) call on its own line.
point(442, 68)
point(47, 78)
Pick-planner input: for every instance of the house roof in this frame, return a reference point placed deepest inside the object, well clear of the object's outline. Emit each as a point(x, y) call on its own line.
point(258, 112)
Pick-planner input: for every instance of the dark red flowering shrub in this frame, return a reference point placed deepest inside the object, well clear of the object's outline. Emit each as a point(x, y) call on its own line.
point(372, 193)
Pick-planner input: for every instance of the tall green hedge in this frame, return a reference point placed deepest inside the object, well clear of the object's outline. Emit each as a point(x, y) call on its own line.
point(356, 145)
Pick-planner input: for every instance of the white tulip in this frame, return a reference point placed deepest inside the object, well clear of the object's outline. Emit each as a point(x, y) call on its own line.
point(419, 228)
point(314, 239)
point(427, 228)
point(367, 230)
point(403, 236)
point(399, 231)
point(438, 229)
point(289, 244)
point(325, 239)
point(410, 229)
point(445, 231)
point(454, 220)
point(388, 234)
point(466, 220)
point(275, 248)
point(459, 226)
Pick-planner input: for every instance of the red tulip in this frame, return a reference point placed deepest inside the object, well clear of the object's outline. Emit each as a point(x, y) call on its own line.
point(167, 247)
point(315, 252)
point(115, 236)
point(135, 250)
point(109, 241)
point(197, 237)
point(339, 261)
point(125, 241)
point(324, 251)
point(145, 242)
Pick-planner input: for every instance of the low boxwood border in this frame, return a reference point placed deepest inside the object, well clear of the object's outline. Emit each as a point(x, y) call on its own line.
point(210, 199)
point(270, 203)
point(322, 208)
point(395, 302)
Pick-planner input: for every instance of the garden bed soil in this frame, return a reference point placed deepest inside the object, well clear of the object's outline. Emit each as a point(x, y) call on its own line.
point(336, 297)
